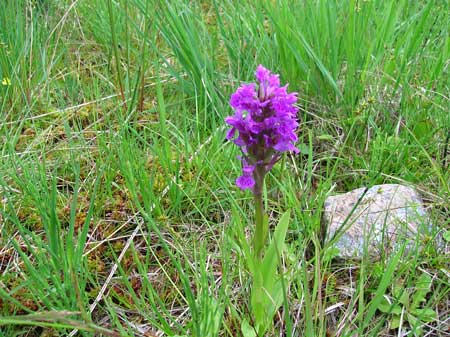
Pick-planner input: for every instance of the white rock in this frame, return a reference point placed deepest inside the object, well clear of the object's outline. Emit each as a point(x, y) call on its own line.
point(385, 217)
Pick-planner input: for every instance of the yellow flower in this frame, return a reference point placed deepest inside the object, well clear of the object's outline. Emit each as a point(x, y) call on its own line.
point(6, 81)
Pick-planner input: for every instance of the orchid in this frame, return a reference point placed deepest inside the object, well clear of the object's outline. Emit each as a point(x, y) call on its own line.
point(264, 126)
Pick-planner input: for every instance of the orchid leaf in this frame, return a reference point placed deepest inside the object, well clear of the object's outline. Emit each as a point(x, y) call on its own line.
point(247, 330)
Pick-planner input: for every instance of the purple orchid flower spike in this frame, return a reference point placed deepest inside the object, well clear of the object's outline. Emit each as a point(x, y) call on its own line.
point(263, 126)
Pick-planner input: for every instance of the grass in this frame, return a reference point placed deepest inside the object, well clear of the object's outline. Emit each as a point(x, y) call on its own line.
point(119, 214)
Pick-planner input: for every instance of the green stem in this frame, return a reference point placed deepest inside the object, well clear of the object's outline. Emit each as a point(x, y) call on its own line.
point(261, 224)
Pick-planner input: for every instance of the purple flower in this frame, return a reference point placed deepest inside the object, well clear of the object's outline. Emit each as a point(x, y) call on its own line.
point(246, 180)
point(263, 125)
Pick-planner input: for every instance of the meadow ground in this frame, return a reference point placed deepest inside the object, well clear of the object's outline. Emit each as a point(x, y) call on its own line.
point(119, 215)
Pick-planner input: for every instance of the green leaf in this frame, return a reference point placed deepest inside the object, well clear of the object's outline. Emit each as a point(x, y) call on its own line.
point(247, 330)
point(325, 137)
point(404, 298)
point(385, 281)
point(303, 148)
point(401, 294)
point(424, 283)
point(415, 324)
point(422, 289)
point(330, 254)
point(258, 298)
point(267, 290)
point(446, 236)
point(265, 305)
point(269, 264)
point(275, 300)
point(418, 332)
point(426, 315)
point(411, 319)
point(394, 323)
point(384, 305)
point(423, 128)
point(387, 307)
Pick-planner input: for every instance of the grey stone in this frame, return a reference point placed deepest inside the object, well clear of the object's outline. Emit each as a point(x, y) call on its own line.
point(386, 216)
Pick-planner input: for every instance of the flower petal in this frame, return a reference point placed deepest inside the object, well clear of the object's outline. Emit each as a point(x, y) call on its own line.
point(245, 182)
